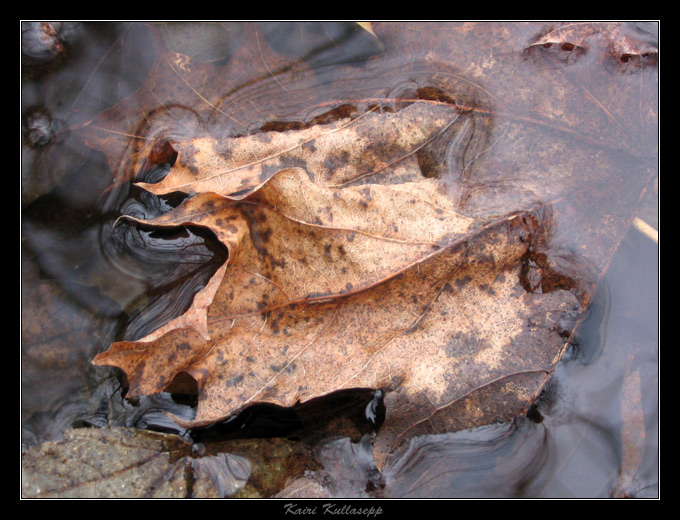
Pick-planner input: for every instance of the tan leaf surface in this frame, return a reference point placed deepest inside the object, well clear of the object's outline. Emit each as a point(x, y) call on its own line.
point(373, 145)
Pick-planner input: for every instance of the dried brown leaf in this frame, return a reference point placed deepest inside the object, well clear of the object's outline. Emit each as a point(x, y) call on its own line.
point(409, 247)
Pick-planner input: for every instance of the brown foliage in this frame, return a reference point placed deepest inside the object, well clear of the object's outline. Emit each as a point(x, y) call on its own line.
point(372, 249)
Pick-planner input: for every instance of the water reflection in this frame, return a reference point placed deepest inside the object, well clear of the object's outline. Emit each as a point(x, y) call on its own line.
point(494, 461)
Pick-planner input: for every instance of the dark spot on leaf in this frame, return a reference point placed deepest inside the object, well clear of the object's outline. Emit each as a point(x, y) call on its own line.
point(330, 163)
point(462, 282)
point(309, 146)
point(234, 380)
point(461, 345)
point(318, 294)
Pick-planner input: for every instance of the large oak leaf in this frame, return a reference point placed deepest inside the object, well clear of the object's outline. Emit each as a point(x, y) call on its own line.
point(412, 247)
point(331, 285)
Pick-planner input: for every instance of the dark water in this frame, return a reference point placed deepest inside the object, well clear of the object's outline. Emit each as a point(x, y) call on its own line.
point(87, 282)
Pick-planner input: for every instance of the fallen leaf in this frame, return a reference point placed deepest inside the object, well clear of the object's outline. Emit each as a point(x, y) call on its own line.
point(330, 287)
point(440, 247)
point(574, 39)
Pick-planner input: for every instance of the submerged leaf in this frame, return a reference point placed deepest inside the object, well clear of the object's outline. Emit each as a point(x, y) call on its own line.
point(330, 287)
point(440, 247)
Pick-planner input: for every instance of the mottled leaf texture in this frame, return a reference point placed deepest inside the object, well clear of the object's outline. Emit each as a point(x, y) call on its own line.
point(375, 285)
point(440, 247)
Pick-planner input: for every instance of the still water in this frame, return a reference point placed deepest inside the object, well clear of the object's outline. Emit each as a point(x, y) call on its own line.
point(88, 279)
